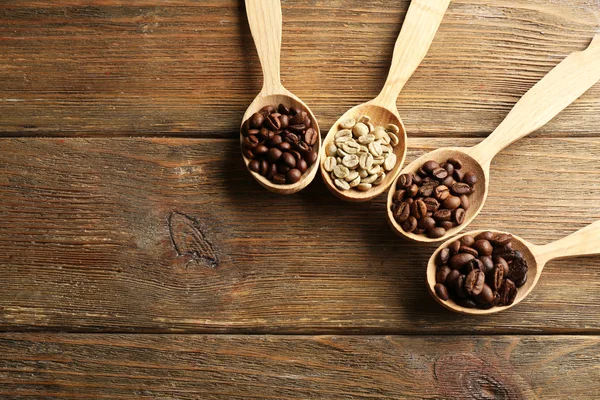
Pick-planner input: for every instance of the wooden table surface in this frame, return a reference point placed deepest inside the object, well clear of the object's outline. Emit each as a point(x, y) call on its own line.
point(140, 260)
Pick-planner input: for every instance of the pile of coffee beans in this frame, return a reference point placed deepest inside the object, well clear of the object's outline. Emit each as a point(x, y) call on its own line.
point(484, 271)
point(361, 154)
point(280, 142)
point(435, 199)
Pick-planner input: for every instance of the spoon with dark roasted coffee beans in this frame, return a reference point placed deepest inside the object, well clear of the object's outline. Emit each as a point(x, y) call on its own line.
point(484, 272)
point(559, 88)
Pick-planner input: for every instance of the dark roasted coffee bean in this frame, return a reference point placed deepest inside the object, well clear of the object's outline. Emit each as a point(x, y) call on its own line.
point(473, 264)
point(296, 129)
point(261, 150)
point(452, 278)
point(456, 163)
point(279, 179)
point(442, 215)
point(274, 154)
point(410, 201)
point(310, 137)
point(248, 153)
point(454, 247)
point(459, 287)
point(487, 235)
point(441, 291)
point(458, 216)
point(458, 189)
point(297, 120)
point(296, 155)
point(301, 165)
point(468, 250)
point(421, 172)
point(246, 127)
point(430, 165)
point(508, 292)
point(517, 269)
point(465, 203)
point(486, 295)
point(439, 173)
point(311, 157)
point(495, 278)
point(467, 240)
point(289, 159)
point(501, 261)
point(398, 195)
point(458, 175)
point(419, 231)
point(443, 256)
point(285, 146)
point(254, 166)
point(284, 120)
point(402, 212)
point(466, 303)
point(256, 120)
point(426, 190)
point(451, 203)
point(272, 171)
point(506, 253)
point(265, 134)
point(521, 281)
point(412, 191)
point(405, 181)
point(448, 182)
point(483, 247)
point(269, 109)
point(264, 167)
point(292, 138)
point(416, 179)
point(283, 109)
point(282, 168)
point(432, 204)
point(487, 262)
point(448, 167)
point(293, 175)
point(276, 140)
point(470, 178)
point(441, 193)
point(436, 232)
point(501, 239)
point(294, 110)
point(474, 282)
point(272, 122)
point(458, 261)
point(447, 225)
point(410, 224)
point(418, 209)
point(302, 147)
point(426, 223)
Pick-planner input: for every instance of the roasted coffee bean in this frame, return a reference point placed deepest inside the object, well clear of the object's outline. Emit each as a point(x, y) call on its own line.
point(447, 225)
point(486, 295)
point(410, 224)
point(412, 191)
point(443, 256)
point(487, 262)
point(274, 154)
point(416, 179)
point(402, 212)
point(468, 250)
point(436, 232)
point(248, 153)
point(268, 109)
point(256, 120)
point(398, 196)
point(458, 175)
point(467, 241)
point(442, 215)
point(507, 253)
point(456, 163)
point(441, 291)
point(517, 269)
point(508, 292)
point(254, 166)
point(421, 172)
point(293, 175)
point(272, 122)
point(458, 216)
point(279, 179)
point(451, 203)
point(426, 223)
point(466, 303)
point(459, 260)
point(473, 264)
point(301, 165)
point(500, 239)
point(487, 235)
point(310, 137)
point(448, 182)
point(452, 278)
point(521, 281)
point(429, 166)
point(474, 282)
point(282, 168)
point(285, 146)
point(289, 159)
point(448, 167)
point(465, 203)
point(432, 204)
point(418, 209)
point(405, 181)
point(285, 121)
point(311, 157)
point(419, 231)
point(459, 188)
point(264, 167)
point(276, 140)
point(470, 178)
point(502, 262)
point(459, 287)
point(483, 247)
point(495, 278)
point(439, 173)
point(261, 150)
point(441, 193)
point(282, 109)
point(454, 247)
point(426, 190)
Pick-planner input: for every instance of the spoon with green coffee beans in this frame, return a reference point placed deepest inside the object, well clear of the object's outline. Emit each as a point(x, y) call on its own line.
point(553, 93)
point(420, 26)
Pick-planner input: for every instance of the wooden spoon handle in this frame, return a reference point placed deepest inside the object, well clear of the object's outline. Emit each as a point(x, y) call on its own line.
point(584, 241)
point(264, 18)
point(420, 26)
point(559, 88)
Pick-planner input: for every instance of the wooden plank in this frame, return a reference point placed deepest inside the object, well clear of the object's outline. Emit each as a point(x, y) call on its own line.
point(189, 68)
point(170, 235)
point(52, 366)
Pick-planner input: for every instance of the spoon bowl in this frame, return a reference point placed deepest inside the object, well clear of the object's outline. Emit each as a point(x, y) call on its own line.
point(289, 100)
point(383, 117)
point(585, 241)
point(552, 94)
point(477, 197)
point(420, 26)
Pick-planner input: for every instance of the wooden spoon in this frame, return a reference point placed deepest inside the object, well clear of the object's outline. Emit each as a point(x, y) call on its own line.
point(420, 26)
point(264, 18)
point(583, 242)
point(559, 88)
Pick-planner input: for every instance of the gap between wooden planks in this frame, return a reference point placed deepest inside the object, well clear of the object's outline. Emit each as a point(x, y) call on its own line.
point(172, 235)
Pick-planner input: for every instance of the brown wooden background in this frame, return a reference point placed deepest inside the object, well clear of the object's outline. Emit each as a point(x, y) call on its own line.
point(140, 260)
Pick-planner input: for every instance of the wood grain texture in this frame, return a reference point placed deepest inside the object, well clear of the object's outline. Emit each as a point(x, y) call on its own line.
point(53, 366)
point(170, 235)
point(188, 68)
